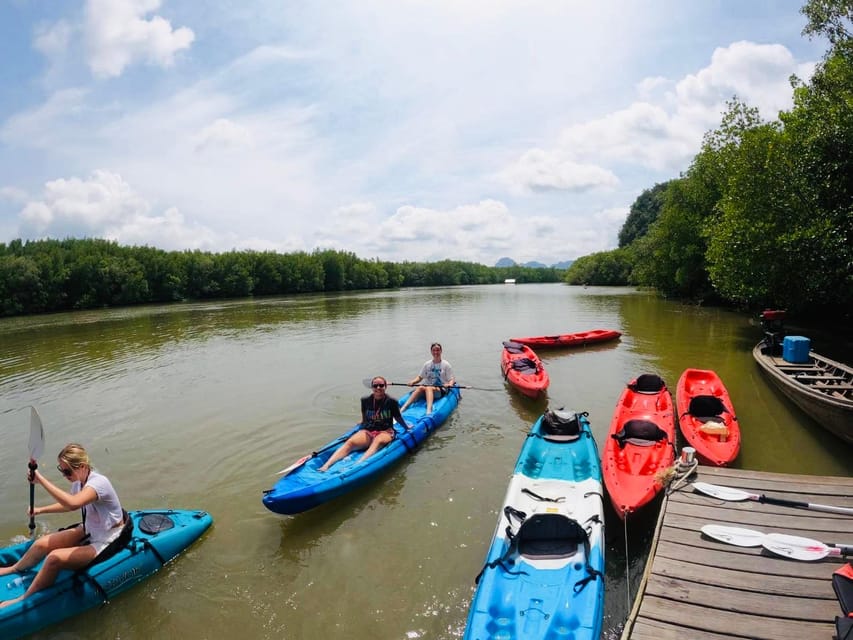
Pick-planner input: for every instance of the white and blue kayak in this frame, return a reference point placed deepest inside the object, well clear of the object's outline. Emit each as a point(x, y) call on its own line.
point(156, 538)
point(303, 487)
point(544, 572)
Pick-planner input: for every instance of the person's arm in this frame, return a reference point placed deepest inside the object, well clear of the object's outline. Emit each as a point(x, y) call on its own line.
point(49, 508)
point(398, 416)
point(451, 380)
point(67, 501)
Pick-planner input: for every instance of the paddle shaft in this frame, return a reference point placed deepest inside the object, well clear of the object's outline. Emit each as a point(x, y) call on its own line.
point(780, 502)
point(445, 386)
point(33, 466)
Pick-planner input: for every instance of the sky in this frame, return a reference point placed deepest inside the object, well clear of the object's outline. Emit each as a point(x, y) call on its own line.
point(401, 130)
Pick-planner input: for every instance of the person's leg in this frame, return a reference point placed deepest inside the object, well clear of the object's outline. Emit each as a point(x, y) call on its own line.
point(416, 393)
point(357, 441)
point(430, 394)
point(56, 560)
point(44, 545)
point(378, 442)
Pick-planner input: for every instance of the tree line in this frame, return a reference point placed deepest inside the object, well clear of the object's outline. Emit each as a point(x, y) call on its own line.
point(763, 216)
point(61, 275)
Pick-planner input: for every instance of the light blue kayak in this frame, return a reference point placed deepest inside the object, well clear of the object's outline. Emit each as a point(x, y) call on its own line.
point(157, 538)
point(303, 487)
point(544, 572)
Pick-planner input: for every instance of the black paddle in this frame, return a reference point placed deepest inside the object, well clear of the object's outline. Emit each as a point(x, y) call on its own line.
point(36, 448)
point(367, 382)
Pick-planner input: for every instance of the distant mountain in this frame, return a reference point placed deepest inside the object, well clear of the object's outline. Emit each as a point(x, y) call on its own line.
point(509, 262)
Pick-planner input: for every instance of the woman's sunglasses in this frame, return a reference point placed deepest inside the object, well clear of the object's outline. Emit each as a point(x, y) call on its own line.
point(64, 471)
point(378, 385)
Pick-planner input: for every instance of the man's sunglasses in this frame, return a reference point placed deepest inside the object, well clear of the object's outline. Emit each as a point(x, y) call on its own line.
point(66, 471)
point(378, 385)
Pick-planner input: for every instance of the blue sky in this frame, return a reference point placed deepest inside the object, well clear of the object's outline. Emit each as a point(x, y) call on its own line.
point(399, 130)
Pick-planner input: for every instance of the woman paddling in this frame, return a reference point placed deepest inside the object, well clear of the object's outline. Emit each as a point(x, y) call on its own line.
point(76, 547)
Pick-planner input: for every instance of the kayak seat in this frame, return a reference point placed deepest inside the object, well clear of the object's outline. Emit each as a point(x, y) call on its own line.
point(549, 536)
point(116, 545)
point(647, 383)
point(513, 347)
point(561, 426)
point(525, 366)
point(643, 433)
point(706, 408)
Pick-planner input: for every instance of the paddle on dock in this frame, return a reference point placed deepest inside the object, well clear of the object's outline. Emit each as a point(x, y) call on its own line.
point(731, 494)
point(788, 546)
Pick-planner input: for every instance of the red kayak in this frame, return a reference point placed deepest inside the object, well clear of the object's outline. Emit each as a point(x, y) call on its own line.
point(641, 444)
point(706, 418)
point(569, 339)
point(523, 369)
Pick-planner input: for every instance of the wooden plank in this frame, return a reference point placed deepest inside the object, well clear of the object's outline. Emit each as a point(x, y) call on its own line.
point(660, 630)
point(696, 619)
point(730, 596)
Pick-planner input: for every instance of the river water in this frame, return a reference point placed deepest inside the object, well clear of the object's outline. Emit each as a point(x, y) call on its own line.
point(197, 405)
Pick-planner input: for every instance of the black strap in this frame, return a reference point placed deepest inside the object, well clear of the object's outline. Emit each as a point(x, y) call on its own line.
point(536, 496)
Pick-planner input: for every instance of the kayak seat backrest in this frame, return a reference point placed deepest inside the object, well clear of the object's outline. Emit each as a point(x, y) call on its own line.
point(647, 383)
point(561, 426)
point(706, 408)
point(549, 535)
point(116, 545)
point(524, 365)
point(513, 347)
point(643, 433)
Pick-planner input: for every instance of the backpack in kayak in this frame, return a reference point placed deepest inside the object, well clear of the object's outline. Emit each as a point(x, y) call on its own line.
point(643, 433)
point(647, 383)
point(561, 426)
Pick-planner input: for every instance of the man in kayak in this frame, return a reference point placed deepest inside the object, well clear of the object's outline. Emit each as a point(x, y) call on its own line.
point(378, 412)
point(75, 547)
point(437, 375)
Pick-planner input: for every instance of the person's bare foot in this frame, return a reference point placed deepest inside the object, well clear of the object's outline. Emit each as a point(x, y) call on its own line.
point(6, 603)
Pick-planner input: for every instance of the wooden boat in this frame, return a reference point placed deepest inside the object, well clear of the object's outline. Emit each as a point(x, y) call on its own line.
point(821, 387)
point(706, 417)
point(544, 571)
point(523, 369)
point(641, 444)
point(579, 339)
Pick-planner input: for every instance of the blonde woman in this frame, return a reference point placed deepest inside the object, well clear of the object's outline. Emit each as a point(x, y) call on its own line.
point(75, 547)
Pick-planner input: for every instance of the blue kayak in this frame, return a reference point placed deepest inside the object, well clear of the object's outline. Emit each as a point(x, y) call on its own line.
point(544, 572)
point(304, 487)
point(157, 537)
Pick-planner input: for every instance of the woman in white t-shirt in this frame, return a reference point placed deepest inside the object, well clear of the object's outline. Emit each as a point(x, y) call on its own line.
point(75, 547)
point(436, 374)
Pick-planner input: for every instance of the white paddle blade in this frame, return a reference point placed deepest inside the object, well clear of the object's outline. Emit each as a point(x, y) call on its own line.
point(298, 463)
point(36, 443)
point(723, 493)
point(798, 548)
point(734, 535)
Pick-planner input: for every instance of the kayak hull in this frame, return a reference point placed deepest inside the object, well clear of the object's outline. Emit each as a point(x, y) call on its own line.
point(76, 591)
point(534, 596)
point(305, 487)
point(565, 340)
point(714, 445)
point(634, 471)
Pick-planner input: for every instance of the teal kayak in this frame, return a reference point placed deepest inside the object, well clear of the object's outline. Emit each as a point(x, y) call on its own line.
point(303, 487)
point(157, 538)
point(544, 572)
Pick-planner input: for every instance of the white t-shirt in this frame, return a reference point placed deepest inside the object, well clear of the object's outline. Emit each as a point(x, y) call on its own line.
point(436, 374)
point(105, 513)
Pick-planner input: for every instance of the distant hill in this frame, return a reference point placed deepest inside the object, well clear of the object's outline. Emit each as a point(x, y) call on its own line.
point(509, 262)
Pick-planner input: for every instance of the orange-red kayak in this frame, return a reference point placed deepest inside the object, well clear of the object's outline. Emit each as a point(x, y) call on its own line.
point(640, 446)
point(569, 339)
point(706, 417)
point(523, 369)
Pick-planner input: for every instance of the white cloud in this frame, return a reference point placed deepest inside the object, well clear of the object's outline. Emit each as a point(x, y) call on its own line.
point(224, 134)
point(106, 206)
point(53, 39)
point(542, 170)
point(13, 194)
point(118, 34)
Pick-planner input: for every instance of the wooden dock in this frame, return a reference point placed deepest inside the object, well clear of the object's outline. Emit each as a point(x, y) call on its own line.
point(697, 587)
